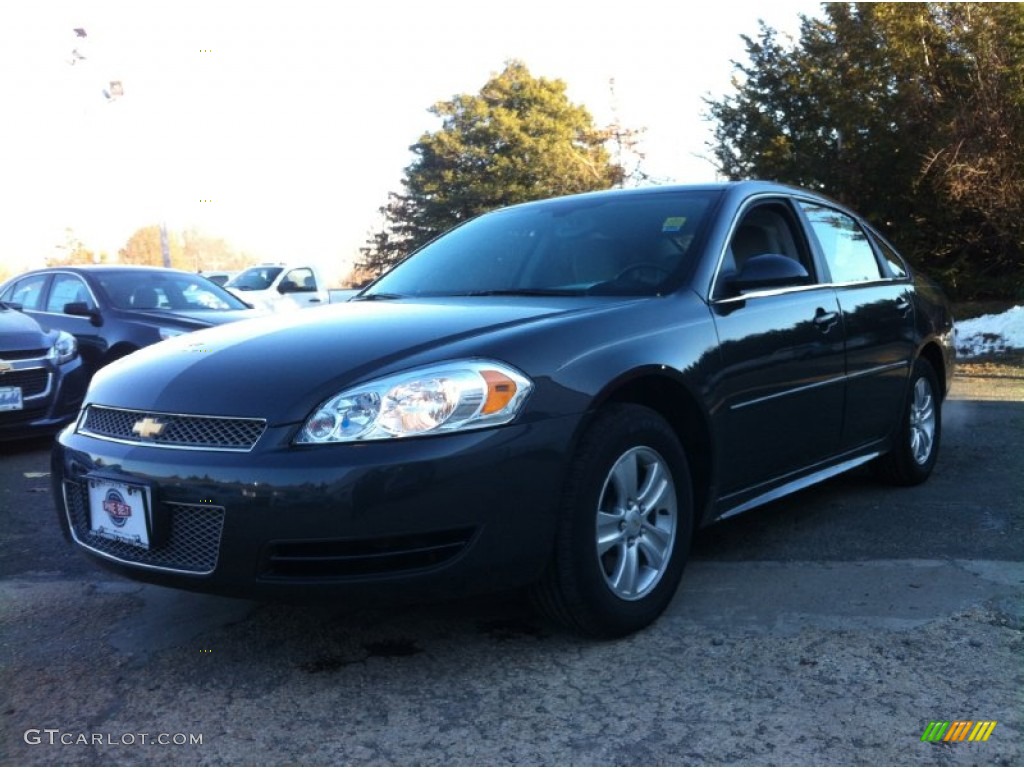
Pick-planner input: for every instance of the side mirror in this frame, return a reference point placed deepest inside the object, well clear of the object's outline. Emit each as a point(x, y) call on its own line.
point(769, 270)
point(81, 309)
point(287, 286)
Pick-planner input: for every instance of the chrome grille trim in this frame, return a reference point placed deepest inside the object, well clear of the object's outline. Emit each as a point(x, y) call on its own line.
point(193, 546)
point(181, 431)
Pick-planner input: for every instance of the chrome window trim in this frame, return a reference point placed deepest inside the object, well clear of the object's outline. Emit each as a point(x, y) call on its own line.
point(764, 196)
point(801, 288)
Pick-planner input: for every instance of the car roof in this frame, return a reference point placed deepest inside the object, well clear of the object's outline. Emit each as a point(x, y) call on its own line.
point(742, 188)
point(101, 269)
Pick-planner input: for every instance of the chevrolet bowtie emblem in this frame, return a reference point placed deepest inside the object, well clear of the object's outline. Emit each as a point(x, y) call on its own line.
point(148, 427)
point(5, 366)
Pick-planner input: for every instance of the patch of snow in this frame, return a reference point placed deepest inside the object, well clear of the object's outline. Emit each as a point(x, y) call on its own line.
point(990, 333)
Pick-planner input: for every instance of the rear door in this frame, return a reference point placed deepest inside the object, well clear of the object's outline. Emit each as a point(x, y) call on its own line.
point(875, 298)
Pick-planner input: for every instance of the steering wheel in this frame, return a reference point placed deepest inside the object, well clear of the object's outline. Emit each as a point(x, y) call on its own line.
point(661, 271)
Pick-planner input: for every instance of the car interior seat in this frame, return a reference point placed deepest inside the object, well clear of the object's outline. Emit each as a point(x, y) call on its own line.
point(749, 240)
point(145, 297)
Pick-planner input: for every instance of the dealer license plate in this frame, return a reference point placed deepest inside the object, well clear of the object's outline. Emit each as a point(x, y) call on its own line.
point(10, 399)
point(119, 511)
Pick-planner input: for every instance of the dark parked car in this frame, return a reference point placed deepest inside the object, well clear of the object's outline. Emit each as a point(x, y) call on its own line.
point(42, 382)
point(115, 310)
point(555, 394)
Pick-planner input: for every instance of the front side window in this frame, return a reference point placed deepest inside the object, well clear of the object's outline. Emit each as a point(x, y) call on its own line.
point(845, 245)
point(68, 289)
point(765, 228)
point(638, 244)
point(299, 280)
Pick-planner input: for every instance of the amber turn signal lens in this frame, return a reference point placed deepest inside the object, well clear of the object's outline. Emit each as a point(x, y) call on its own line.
point(500, 391)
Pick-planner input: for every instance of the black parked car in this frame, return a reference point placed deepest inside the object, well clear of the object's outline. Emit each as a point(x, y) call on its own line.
point(115, 310)
point(554, 394)
point(42, 381)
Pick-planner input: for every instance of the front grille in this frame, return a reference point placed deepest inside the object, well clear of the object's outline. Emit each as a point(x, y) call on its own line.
point(23, 354)
point(192, 544)
point(218, 433)
point(34, 381)
point(363, 557)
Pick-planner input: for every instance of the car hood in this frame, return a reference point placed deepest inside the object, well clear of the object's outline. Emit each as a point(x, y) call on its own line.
point(280, 367)
point(20, 332)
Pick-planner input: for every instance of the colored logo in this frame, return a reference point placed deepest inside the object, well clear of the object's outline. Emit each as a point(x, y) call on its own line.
point(116, 509)
point(958, 730)
point(147, 427)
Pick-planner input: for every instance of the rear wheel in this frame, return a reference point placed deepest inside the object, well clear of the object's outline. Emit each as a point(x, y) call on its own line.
point(627, 520)
point(916, 446)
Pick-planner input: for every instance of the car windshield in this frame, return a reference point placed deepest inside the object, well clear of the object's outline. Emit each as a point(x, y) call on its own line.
point(254, 279)
point(631, 244)
point(170, 291)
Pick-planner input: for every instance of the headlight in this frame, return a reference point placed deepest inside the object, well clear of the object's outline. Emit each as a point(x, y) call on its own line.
point(170, 333)
point(64, 348)
point(450, 397)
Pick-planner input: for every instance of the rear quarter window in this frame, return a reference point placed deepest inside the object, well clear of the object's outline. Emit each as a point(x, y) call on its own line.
point(845, 245)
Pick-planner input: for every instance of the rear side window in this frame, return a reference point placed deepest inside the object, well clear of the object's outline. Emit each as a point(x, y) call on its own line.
point(897, 267)
point(844, 244)
point(28, 292)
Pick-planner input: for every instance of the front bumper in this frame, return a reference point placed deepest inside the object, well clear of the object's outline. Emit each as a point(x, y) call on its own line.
point(436, 516)
point(51, 405)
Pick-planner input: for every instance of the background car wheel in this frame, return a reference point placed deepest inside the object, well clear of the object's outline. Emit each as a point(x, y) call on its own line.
point(626, 525)
point(916, 446)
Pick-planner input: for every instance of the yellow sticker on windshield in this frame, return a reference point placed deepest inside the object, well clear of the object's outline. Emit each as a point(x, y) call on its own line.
point(674, 224)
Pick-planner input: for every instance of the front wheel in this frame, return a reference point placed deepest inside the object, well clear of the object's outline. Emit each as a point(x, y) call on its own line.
point(624, 534)
point(916, 444)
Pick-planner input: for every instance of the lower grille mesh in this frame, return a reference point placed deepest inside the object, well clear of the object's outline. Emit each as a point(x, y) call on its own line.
point(193, 544)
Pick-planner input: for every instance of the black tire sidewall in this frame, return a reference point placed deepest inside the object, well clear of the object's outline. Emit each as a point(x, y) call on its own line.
point(903, 468)
point(612, 434)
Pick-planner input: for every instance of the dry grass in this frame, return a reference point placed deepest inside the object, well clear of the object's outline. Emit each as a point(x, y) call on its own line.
point(1009, 364)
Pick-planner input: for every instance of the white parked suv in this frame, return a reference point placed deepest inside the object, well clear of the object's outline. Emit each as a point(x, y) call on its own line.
point(280, 286)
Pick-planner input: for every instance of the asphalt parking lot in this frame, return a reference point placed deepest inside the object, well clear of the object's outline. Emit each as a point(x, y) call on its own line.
point(828, 628)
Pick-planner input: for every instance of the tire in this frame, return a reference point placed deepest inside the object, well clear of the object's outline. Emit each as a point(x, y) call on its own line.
point(625, 527)
point(916, 443)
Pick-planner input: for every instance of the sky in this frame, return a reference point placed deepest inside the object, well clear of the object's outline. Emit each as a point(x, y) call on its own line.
point(282, 126)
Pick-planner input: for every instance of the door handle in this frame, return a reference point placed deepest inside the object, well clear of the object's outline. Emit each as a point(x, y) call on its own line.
point(903, 305)
point(825, 320)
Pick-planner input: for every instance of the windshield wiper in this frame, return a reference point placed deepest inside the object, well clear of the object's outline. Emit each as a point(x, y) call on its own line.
point(523, 292)
point(377, 297)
